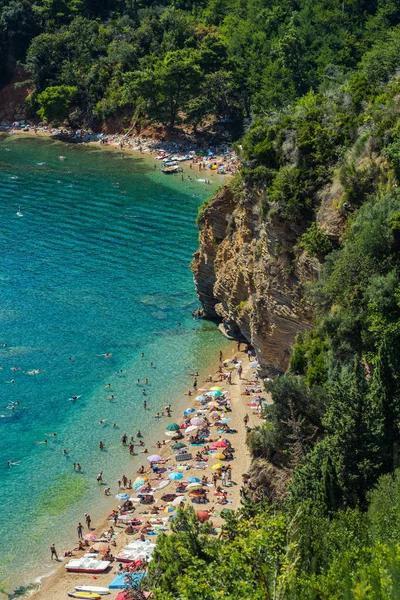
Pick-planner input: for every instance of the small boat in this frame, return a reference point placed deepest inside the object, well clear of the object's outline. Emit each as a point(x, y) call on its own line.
point(87, 595)
point(87, 565)
point(94, 589)
point(171, 170)
point(20, 214)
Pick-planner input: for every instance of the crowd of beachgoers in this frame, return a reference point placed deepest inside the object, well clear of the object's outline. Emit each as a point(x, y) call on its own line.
point(202, 461)
point(211, 157)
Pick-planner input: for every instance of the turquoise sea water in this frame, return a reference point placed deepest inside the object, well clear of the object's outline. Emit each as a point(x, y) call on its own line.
point(99, 263)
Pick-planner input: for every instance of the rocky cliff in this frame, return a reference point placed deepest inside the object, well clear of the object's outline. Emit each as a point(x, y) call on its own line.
point(249, 274)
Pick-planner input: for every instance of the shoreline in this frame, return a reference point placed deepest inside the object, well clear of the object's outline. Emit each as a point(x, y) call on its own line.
point(148, 148)
point(54, 586)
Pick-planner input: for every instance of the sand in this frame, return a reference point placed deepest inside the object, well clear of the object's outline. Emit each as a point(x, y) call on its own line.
point(60, 583)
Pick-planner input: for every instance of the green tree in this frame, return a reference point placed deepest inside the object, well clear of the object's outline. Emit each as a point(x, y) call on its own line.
point(55, 102)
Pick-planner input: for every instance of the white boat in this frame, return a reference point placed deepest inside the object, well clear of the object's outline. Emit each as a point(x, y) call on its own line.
point(87, 565)
point(92, 588)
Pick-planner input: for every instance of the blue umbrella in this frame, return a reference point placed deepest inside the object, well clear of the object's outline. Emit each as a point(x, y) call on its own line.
point(202, 397)
point(122, 496)
point(215, 393)
point(225, 420)
point(189, 411)
point(193, 479)
point(175, 476)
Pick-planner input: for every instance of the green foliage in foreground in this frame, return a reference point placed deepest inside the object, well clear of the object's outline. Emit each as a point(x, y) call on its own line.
point(262, 553)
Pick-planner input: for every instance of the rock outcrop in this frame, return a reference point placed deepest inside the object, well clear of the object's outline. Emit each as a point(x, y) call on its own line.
point(249, 275)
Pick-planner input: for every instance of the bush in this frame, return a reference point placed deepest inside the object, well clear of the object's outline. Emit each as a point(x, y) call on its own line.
point(315, 242)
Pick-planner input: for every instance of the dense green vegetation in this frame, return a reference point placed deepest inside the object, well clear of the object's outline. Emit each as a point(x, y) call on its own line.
point(192, 60)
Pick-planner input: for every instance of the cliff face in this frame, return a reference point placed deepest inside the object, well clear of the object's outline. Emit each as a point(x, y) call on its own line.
point(247, 273)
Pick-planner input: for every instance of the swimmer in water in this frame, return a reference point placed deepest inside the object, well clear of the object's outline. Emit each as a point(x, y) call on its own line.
point(12, 381)
point(64, 452)
point(115, 425)
point(108, 385)
point(13, 464)
point(142, 355)
point(112, 397)
point(138, 382)
point(102, 421)
point(51, 434)
point(138, 434)
point(74, 397)
point(39, 443)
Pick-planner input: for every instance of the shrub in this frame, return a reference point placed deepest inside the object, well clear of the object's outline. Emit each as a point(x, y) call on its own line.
point(315, 242)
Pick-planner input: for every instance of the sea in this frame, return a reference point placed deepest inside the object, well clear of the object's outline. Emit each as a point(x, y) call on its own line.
point(95, 286)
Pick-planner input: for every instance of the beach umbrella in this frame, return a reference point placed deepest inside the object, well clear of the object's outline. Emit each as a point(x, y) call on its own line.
point(217, 466)
point(201, 398)
point(194, 486)
point(122, 497)
point(192, 479)
point(215, 414)
point(173, 427)
point(221, 444)
point(220, 456)
point(216, 389)
point(178, 446)
point(226, 420)
point(90, 536)
point(169, 509)
point(191, 428)
point(139, 482)
point(175, 476)
point(213, 404)
point(216, 393)
point(178, 500)
point(202, 516)
point(154, 458)
point(101, 547)
point(170, 433)
point(197, 421)
point(189, 411)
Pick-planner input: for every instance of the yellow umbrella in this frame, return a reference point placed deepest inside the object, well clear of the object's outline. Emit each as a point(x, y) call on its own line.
point(220, 456)
point(216, 389)
point(217, 466)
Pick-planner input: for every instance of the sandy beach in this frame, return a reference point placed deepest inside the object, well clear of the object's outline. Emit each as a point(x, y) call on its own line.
point(222, 162)
point(60, 583)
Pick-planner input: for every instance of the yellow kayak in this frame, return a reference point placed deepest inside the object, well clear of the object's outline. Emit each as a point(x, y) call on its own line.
point(84, 595)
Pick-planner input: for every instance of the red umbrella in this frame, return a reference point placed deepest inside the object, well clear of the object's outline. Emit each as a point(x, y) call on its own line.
point(202, 516)
point(221, 444)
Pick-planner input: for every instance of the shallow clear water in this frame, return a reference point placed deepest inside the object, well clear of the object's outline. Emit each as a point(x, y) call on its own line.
point(99, 263)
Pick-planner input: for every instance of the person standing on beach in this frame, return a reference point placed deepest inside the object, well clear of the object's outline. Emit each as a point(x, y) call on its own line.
point(53, 551)
point(100, 477)
point(195, 384)
point(88, 520)
point(131, 449)
point(220, 356)
point(240, 371)
point(80, 531)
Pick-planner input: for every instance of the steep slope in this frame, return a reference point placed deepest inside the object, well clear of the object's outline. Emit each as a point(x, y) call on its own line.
point(247, 274)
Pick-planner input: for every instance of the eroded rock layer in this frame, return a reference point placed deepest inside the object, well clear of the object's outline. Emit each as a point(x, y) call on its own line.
point(248, 273)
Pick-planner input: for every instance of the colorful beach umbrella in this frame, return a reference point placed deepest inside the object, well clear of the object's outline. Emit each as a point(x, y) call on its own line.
point(192, 479)
point(213, 404)
point(169, 509)
point(225, 420)
point(215, 414)
point(175, 476)
point(172, 427)
point(90, 536)
point(197, 421)
point(201, 398)
point(101, 547)
point(139, 482)
point(154, 458)
point(189, 411)
point(216, 389)
point(217, 466)
point(220, 456)
point(123, 497)
point(216, 393)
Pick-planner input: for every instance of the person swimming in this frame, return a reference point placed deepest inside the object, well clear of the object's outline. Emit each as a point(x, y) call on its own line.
point(51, 434)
